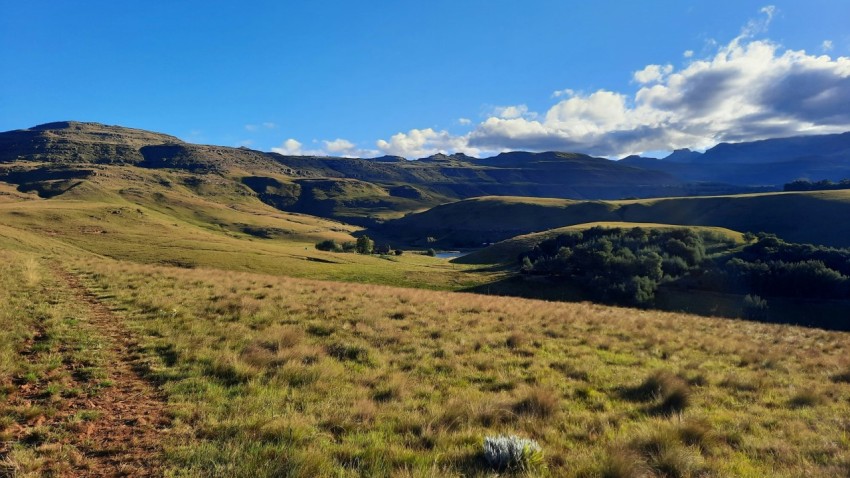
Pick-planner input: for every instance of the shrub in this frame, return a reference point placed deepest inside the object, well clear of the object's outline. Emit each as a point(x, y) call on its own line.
point(329, 245)
point(365, 245)
point(431, 252)
point(512, 453)
point(755, 308)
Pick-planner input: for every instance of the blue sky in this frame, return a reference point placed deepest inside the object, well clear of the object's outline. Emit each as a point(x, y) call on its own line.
point(412, 78)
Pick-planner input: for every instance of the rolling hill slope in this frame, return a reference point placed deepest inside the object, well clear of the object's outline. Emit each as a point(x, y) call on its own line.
point(507, 251)
point(817, 217)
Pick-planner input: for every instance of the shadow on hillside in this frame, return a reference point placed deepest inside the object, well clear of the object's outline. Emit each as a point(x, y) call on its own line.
point(822, 314)
point(533, 287)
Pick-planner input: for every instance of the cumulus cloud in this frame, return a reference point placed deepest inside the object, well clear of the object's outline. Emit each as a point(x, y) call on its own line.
point(290, 147)
point(826, 45)
point(688, 53)
point(338, 147)
point(745, 90)
point(511, 112)
point(464, 121)
point(418, 143)
point(347, 149)
point(652, 73)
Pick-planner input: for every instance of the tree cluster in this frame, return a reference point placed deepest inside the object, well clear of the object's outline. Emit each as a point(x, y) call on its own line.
point(773, 267)
point(825, 184)
point(363, 245)
point(617, 265)
point(626, 266)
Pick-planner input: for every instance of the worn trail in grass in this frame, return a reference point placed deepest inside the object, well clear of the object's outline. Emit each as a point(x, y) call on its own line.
point(129, 433)
point(76, 404)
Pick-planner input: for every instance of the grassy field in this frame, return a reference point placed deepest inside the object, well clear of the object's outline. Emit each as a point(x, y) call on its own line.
point(272, 376)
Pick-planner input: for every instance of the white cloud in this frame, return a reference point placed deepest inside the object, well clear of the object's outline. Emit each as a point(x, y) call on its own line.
point(744, 90)
point(338, 147)
point(652, 73)
point(464, 121)
point(747, 89)
point(758, 25)
point(511, 112)
point(345, 148)
point(826, 45)
point(290, 147)
point(418, 143)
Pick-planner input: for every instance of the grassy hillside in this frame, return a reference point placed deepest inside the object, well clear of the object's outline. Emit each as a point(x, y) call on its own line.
point(271, 376)
point(201, 220)
point(816, 217)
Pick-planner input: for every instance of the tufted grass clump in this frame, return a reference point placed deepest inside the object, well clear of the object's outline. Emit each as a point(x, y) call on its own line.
point(510, 452)
point(538, 402)
point(670, 391)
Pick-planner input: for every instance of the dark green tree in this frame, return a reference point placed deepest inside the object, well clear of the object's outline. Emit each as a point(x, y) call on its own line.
point(365, 245)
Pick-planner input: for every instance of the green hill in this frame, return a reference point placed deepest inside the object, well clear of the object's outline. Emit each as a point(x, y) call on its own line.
point(817, 217)
point(508, 250)
point(193, 220)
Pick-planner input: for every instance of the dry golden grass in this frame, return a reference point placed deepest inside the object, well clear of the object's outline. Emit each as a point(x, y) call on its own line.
point(273, 376)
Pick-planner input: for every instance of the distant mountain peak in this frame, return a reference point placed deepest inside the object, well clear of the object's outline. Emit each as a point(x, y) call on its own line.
point(388, 158)
point(683, 155)
point(448, 157)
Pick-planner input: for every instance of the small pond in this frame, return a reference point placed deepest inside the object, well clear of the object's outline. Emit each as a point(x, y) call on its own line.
point(451, 254)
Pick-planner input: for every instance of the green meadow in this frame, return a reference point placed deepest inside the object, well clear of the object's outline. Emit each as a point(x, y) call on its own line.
point(267, 357)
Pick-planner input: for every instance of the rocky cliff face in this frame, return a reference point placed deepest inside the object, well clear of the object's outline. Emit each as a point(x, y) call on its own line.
point(71, 142)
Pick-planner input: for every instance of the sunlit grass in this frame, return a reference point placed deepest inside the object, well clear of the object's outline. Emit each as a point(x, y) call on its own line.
point(48, 354)
point(273, 376)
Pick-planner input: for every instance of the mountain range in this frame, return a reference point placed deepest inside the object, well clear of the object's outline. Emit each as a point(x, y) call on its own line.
point(52, 157)
point(770, 162)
